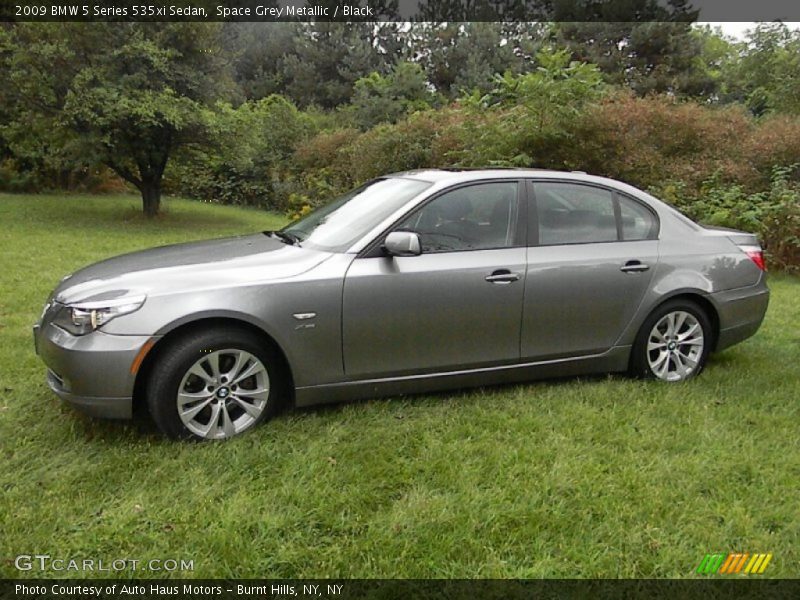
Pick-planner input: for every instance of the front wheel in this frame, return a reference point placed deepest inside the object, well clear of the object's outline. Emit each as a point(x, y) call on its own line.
point(673, 343)
point(212, 385)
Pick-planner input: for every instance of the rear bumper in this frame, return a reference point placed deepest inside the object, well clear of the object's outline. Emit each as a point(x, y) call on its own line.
point(741, 313)
point(91, 372)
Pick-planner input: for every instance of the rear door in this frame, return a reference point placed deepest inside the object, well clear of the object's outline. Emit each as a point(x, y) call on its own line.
point(591, 256)
point(458, 304)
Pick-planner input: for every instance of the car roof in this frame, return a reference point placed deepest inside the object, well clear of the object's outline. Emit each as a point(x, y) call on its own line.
point(446, 177)
point(462, 175)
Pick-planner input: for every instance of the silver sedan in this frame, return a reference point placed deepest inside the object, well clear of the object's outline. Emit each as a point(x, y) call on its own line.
point(417, 281)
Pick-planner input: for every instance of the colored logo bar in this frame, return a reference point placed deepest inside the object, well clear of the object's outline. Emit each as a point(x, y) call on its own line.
point(735, 562)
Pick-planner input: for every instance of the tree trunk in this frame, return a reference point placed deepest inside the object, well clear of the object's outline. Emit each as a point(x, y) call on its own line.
point(151, 198)
point(150, 167)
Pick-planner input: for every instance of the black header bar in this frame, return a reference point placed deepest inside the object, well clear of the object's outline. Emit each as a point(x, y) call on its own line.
point(398, 10)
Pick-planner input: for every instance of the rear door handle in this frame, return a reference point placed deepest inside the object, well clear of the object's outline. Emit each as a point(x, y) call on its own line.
point(502, 276)
point(634, 266)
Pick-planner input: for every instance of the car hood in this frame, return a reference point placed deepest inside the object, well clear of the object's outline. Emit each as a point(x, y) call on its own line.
point(247, 259)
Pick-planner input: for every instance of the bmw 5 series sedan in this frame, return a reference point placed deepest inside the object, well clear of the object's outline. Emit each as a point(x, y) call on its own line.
point(417, 281)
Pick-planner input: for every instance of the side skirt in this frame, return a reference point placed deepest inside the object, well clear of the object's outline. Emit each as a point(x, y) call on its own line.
point(613, 360)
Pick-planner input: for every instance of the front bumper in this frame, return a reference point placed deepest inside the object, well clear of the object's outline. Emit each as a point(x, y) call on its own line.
point(92, 372)
point(105, 408)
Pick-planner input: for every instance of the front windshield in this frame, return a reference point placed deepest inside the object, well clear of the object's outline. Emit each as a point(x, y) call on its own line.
point(337, 225)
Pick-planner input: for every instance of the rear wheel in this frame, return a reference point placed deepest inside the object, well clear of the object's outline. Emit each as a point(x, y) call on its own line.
point(212, 385)
point(673, 343)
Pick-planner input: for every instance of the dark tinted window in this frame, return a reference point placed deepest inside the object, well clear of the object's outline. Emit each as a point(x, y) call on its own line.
point(476, 217)
point(572, 214)
point(638, 223)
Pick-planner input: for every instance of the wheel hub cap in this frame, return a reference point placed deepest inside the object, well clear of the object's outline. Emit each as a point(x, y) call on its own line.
point(214, 412)
point(675, 346)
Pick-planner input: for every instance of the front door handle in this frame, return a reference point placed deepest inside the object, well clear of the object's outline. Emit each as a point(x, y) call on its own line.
point(502, 277)
point(634, 266)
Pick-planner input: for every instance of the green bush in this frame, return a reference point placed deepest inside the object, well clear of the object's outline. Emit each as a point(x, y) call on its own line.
point(346, 157)
point(303, 193)
point(250, 145)
point(386, 98)
point(13, 179)
point(772, 214)
point(525, 120)
point(646, 141)
point(18, 176)
point(716, 164)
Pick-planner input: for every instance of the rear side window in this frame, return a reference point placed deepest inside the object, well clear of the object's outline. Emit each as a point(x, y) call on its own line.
point(574, 214)
point(638, 223)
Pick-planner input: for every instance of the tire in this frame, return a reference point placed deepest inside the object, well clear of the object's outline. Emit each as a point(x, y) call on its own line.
point(673, 343)
point(214, 384)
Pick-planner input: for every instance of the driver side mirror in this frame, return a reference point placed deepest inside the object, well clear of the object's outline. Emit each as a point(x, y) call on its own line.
point(402, 243)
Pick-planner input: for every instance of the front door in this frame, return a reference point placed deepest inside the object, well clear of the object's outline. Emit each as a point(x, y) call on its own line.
point(457, 305)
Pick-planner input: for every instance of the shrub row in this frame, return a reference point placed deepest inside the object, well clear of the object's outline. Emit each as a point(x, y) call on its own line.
point(718, 164)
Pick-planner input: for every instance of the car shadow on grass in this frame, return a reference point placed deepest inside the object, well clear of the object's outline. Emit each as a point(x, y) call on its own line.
point(441, 397)
point(140, 428)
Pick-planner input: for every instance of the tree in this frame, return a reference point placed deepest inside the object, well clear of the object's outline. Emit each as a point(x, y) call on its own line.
point(33, 91)
point(461, 11)
point(257, 52)
point(717, 53)
point(642, 44)
point(121, 94)
point(525, 120)
point(382, 99)
point(328, 59)
point(250, 146)
point(465, 56)
point(765, 73)
point(324, 59)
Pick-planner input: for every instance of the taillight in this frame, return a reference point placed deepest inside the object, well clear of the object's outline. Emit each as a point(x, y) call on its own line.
point(756, 255)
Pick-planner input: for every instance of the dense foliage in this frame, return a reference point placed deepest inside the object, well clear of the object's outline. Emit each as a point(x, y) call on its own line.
point(123, 95)
point(287, 115)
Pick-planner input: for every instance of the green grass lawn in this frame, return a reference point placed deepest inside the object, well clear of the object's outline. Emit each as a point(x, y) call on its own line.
point(599, 477)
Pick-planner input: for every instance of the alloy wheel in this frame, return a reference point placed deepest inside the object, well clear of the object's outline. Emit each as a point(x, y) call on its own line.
point(675, 346)
point(223, 393)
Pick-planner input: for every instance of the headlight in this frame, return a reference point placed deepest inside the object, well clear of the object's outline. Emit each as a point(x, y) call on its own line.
point(84, 317)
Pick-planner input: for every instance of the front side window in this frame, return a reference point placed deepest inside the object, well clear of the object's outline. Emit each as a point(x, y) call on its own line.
point(342, 222)
point(474, 217)
point(573, 214)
